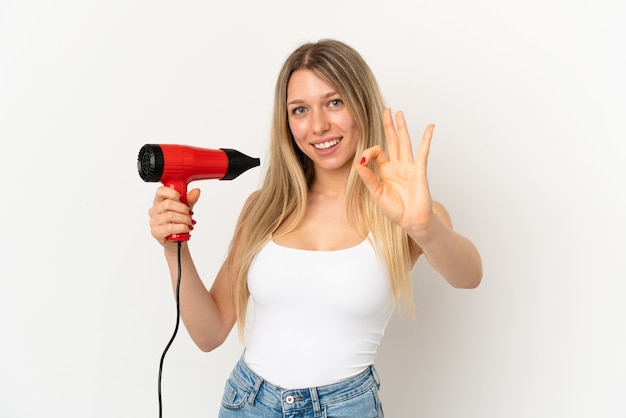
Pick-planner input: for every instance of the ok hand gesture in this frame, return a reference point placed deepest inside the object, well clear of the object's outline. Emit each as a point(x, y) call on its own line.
point(401, 188)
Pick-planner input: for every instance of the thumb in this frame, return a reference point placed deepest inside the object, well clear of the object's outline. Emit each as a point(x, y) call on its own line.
point(192, 197)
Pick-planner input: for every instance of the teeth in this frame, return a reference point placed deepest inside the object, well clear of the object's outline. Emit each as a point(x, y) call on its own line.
point(327, 144)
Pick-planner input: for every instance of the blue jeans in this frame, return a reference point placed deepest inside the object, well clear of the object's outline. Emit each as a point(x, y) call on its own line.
point(249, 396)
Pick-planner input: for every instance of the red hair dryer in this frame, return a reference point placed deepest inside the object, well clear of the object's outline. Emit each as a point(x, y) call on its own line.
point(177, 165)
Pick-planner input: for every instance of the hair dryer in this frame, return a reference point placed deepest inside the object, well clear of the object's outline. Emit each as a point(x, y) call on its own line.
point(177, 165)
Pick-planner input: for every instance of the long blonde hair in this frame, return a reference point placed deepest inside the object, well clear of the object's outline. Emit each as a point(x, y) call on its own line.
point(290, 173)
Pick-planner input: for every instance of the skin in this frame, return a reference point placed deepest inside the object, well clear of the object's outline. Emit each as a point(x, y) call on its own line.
point(402, 193)
point(316, 114)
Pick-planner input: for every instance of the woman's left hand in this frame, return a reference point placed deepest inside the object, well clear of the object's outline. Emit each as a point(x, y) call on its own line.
point(401, 188)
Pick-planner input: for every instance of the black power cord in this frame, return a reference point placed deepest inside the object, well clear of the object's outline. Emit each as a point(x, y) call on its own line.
point(167, 347)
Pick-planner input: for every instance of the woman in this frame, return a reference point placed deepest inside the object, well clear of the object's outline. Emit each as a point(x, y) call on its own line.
point(323, 250)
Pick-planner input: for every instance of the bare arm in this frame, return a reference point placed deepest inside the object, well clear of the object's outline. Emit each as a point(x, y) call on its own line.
point(208, 314)
point(401, 191)
point(452, 255)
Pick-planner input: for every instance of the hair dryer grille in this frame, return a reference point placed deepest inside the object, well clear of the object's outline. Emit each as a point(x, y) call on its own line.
point(150, 163)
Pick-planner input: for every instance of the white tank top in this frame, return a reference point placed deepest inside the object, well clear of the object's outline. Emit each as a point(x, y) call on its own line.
point(317, 316)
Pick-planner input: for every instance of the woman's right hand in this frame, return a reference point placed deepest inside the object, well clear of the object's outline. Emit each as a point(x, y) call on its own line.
point(168, 215)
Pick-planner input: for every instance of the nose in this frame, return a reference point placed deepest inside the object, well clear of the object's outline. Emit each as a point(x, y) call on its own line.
point(319, 122)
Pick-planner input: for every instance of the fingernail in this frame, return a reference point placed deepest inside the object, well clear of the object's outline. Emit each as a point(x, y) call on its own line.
point(363, 160)
point(190, 227)
point(193, 221)
point(191, 212)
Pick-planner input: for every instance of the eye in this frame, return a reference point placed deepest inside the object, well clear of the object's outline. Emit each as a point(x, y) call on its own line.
point(335, 103)
point(298, 110)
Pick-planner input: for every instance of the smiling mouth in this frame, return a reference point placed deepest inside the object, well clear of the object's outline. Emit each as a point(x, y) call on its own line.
point(327, 144)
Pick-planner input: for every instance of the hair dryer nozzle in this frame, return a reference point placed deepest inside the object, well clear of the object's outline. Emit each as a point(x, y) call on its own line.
point(238, 163)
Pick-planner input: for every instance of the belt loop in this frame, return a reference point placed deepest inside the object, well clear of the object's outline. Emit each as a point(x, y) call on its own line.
point(375, 375)
point(316, 402)
point(255, 390)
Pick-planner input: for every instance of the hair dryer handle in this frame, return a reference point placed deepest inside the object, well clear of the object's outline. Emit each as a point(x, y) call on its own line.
point(180, 187)
point(179, 237)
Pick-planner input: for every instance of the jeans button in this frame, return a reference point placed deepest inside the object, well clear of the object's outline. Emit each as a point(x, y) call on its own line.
point(289, 399)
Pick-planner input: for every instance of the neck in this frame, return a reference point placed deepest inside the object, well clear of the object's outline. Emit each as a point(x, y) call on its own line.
point(330, 183)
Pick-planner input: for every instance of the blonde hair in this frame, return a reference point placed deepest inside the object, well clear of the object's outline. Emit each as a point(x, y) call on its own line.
point(290, 173)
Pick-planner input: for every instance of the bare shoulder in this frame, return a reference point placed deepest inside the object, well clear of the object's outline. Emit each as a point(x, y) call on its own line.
point(249, 204)
point(252, 197)
point(243, 226)
point(246, 209)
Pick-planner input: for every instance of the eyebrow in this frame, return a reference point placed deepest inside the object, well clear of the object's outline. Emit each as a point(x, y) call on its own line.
point(324, 96)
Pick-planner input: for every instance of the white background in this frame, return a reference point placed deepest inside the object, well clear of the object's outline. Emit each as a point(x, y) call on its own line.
point(529, 99)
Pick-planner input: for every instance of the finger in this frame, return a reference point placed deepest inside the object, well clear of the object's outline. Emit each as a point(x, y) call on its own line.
point(405, 149)
point(368, 177)
point(162, 232)
point(170, 205)
point(164, 193)
point(375, 154)
point(169, 215)
point(168, 208)
point(424, 148)
point(158, 217)
point(167, 223)
point(390, 135)
point(192, 197)
point(168, 198)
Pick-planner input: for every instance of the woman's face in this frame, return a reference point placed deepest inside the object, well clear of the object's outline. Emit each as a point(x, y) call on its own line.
point(320, 122)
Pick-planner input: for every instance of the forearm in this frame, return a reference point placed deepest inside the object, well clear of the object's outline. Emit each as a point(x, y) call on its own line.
point(199, 311)
point(449, 253)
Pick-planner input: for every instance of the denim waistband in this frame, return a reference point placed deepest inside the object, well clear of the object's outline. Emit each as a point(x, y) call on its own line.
point(314, 397)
